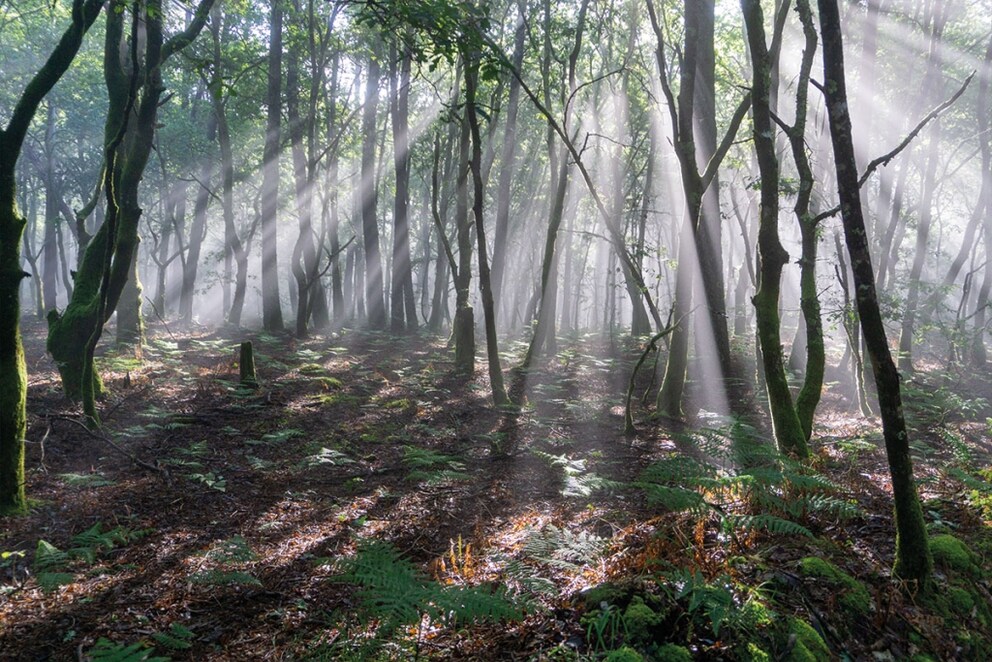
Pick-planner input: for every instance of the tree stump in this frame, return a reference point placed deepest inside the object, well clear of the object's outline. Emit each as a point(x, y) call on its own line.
point(247, 366)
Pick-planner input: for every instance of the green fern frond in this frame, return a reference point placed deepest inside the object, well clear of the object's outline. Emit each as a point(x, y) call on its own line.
point(179, 637)
point(769, 523)
point(109, 651)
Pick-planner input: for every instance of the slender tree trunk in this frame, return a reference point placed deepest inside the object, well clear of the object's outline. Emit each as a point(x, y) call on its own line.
point(464, 324)
point(771, 255)
point(403, 314)
point(370, 224)
point(913, 559)
point(485, 286)
point(197, 231)
point(507, 168)
point(271, 306)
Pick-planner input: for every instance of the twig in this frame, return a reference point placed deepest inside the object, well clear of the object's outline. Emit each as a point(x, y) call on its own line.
point(628, 420)
point(110, 442)
point(159, 315)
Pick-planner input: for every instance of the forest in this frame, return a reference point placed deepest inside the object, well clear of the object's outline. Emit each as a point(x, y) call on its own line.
point(623, 330)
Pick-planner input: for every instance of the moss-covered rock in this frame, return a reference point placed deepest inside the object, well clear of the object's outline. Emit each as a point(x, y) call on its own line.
point(960, 601)
point(809, 645)
point(854, 596)
point(755, 653)
point(952, 554)
point(673, 653)
point(641, 620)
point(625, 654)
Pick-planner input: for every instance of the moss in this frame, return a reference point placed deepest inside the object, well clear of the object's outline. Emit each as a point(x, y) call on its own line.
point(330, 383)
point(809, 645)
point(960, 601)
point(673, 653)
point(854, 596)
point(756, 653)
point(953, 554)
point(311, 369)
point(641, 620)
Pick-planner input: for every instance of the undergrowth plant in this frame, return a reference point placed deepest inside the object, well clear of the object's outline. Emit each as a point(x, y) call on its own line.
point(393, 593)
point(744, 483)
point(54, 567)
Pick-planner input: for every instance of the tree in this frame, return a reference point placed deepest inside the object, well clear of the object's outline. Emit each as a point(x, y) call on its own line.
point(271, 306)
point(913, 559)
point(13, 372)
point(135, 93)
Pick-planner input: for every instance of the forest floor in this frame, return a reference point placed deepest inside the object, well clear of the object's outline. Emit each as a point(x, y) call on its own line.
point(212, 521)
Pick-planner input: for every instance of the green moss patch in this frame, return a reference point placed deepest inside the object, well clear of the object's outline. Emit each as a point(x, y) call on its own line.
point(673, 653)
point(809, 645)
point(854, 596)
point(952, 554)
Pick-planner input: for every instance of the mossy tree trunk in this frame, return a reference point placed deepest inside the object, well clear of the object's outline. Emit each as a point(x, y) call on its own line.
point(809, 301)
point(13, 373)
point(771, 255)
point(913, 559)
point(107, 262)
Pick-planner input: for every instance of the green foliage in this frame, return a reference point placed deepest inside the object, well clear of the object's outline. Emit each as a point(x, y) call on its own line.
point(108, 651)
point(784, 493)
point(394, 593)
point(852, 594)
point(577, 481)
point(226, 553)
point(809, 645)
point(432, 467)
point(673, 653)
point(929, 407)
point(52, 565)
point(625, 654)
point(326, 456)
point(85, 480)
point(179, 637)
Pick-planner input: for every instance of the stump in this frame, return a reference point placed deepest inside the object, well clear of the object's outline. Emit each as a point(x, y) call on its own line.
point(247, 366)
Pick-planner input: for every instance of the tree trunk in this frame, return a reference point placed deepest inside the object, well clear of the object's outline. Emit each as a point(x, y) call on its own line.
point(771, 255)
point(375, 304)
point(271, 305)
point(403, 312)
point(913, 559)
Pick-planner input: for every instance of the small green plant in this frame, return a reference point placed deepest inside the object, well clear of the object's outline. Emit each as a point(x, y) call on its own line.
point(326, 456)
point(230, 552)
point(179, 637)
point(432, 467)
point(108, 651)
point(577, 480)
point(393, 593)
point(53, 567)
point(85, 480)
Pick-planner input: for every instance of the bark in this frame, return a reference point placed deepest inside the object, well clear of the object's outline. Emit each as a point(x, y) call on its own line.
point(464, 324)
point(129, 133)
point(402, 309)
point(375, 304)
point(913, 559)
point(13, 372)
point(485, 285)
point(771, 255)
point(197, 231)
point(271, 306)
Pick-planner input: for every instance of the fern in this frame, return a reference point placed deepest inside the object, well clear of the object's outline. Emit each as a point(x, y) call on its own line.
point(432, 467)
point(109, 651)
point(395, 593)
point(769, 523)
point(177, 638)
point(224, 578)
point(85, 480)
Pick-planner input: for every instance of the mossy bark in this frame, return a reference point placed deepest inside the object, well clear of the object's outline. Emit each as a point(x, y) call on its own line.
point(246, 365)
point(913, 559)
point(771, 255)
point(13, 372)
